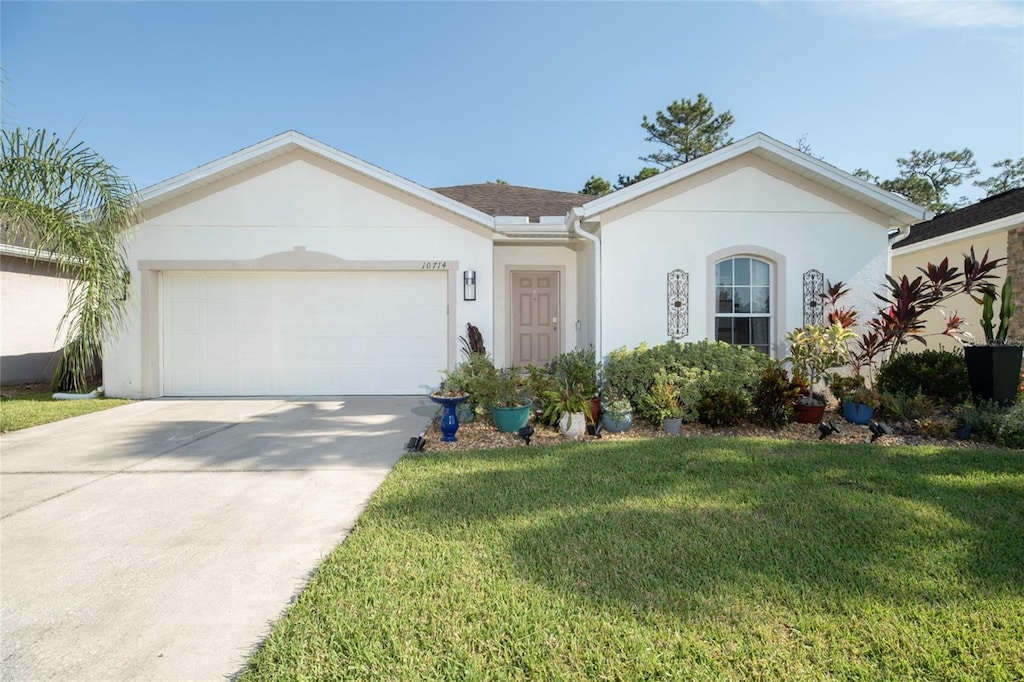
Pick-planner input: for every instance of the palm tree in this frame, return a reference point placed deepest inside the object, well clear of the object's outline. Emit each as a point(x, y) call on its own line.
point(64, 202)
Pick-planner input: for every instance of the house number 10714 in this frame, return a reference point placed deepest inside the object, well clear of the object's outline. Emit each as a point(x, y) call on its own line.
point(434, 265)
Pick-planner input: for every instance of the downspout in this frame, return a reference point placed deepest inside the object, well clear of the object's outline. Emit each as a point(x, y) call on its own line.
point(575, 218)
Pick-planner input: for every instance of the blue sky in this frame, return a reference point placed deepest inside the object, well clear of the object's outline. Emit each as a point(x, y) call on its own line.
point(537, 93)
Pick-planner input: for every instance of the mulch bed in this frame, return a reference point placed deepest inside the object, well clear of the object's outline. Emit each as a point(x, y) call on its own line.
point(481, 434)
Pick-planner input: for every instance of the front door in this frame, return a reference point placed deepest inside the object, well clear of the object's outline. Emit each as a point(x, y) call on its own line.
point(535, 323)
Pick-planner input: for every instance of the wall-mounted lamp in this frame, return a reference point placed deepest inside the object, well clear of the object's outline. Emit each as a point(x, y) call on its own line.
point(469, 285)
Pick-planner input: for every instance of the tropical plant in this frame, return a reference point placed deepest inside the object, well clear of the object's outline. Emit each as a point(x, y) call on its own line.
point(62, 201)
point(723, 407)
point(473, 342)
point(775, 397)
point(816, 349)
point(566, 399)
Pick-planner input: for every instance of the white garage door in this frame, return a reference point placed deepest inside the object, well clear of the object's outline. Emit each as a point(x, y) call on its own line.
point(303, 333)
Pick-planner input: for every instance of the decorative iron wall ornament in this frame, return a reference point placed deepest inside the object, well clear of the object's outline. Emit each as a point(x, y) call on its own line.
point(678, 304)
point(814, 287)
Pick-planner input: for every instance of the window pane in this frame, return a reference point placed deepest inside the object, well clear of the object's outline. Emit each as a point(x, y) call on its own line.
point(759, 272)
point(759, 331)
point(723, 273)
point(759, 297)
point(741, 331)
point(723, 329)
point(742, 271)
point(742, 298)
point(724, 300)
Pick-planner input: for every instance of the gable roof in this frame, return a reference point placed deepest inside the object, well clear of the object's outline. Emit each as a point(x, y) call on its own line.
point(899, 210)
point(498, 199)
point(987, 210)
point(282, 144)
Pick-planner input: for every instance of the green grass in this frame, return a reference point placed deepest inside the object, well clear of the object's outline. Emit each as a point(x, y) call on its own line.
point(21, 409)
point(673, 559)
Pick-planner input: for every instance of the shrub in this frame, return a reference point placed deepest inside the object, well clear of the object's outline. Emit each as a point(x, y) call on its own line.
point(671, 396)
point(991, 422)
point(940, 376)
point(631, 373)
point(723, 407)
point(906, 408)
point(775, 397)
point(579, 368)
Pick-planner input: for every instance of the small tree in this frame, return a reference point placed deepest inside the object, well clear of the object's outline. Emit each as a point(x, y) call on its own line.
point(688, 129)
point(596, 186)
point(63, 199)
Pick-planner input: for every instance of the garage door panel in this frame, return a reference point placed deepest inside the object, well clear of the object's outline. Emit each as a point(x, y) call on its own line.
point(303, 333)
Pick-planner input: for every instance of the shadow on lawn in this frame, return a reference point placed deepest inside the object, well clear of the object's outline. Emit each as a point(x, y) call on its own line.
point(670, 525)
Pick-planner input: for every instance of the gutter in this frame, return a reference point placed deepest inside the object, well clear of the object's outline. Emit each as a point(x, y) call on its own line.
point(575, 227)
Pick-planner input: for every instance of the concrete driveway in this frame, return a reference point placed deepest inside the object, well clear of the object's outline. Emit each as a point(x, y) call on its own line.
point(160, 540)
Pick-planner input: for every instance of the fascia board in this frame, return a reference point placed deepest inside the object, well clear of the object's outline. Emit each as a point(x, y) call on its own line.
point(997, 225)
point(293, 139)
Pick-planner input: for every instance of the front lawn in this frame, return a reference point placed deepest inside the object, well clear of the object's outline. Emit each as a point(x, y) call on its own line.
point(694, 558)
point(21, 408)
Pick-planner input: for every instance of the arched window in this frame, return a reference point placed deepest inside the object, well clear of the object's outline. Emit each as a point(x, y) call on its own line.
point(743, 302)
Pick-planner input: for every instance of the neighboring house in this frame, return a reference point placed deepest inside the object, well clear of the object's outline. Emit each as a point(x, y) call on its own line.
point(33, 299)
point(291, 268)
point(994, 224)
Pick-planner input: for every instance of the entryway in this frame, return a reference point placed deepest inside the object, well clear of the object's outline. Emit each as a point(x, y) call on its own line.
point(536, 327)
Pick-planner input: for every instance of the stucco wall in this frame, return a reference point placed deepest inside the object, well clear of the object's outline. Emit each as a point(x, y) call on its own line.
point(906, 262)
point(296, 200)
point(32, 302)
point(509, 257)
point(746, 206)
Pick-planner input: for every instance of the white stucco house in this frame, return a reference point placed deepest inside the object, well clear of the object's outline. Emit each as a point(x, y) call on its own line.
point(291, 268)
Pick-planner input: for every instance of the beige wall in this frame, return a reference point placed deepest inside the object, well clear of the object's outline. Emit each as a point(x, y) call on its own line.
point(907, 261)
point(32, 302)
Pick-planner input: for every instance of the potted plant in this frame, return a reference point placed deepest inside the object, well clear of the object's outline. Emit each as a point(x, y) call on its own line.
point(502, 392)
point(814, 350)
point(464, 379)
point(616, 413)
point(580, 368)
point(993, 369)
point(661, 403)
point(858, 400)
point(567, 407)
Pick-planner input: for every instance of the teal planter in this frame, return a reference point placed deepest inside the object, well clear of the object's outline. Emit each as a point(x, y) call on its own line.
point(511, 419)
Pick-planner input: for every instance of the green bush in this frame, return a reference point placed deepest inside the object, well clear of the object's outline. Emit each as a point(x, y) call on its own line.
point(672, 396)
point(996, 424)
point(631, 373)
point(723, 407)
point(906, 408)
point(938, 375)
point(775, 397)
point(579, 368)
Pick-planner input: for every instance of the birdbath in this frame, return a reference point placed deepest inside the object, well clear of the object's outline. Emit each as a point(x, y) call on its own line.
point(449, 420)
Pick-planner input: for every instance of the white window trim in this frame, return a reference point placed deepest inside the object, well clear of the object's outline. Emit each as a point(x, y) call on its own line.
point(777, 264)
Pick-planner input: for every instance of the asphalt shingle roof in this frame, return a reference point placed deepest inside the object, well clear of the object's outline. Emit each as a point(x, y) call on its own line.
point(986, 210)
point(512, 200)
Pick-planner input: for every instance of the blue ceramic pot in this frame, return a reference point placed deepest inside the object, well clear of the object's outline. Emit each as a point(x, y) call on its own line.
point(857, 413)
point(617, 423)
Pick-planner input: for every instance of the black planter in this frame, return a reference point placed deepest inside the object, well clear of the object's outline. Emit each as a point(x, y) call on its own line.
point(994, 372)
